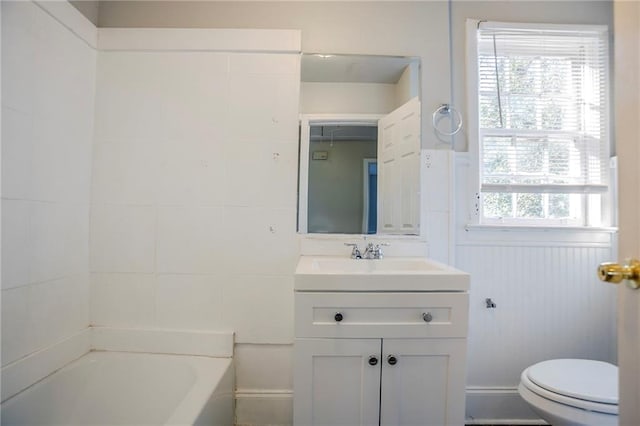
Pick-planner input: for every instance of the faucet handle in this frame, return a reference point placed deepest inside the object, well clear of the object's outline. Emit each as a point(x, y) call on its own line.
point(377, 251)
point(355, 253)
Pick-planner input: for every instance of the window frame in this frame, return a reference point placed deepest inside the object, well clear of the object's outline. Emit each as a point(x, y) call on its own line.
point(593, 214)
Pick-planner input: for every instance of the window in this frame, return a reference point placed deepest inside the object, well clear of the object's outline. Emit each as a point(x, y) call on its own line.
point(541, 94)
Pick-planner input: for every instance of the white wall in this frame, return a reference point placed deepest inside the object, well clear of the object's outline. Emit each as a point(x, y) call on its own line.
point(345, 98)
point(48, 76)
point(409, 85)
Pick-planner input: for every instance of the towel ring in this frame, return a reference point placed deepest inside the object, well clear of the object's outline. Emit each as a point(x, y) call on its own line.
point(446, 109)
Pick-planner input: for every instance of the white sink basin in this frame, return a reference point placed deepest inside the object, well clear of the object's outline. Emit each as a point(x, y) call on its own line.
point(332, 273)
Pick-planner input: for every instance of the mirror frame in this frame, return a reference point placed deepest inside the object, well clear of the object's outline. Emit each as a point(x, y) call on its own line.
point(306, 120)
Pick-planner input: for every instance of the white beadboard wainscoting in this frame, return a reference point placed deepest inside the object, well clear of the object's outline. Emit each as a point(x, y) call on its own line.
point(549, 304)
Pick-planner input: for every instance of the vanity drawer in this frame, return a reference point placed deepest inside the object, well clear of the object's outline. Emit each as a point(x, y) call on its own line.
point(374, 315)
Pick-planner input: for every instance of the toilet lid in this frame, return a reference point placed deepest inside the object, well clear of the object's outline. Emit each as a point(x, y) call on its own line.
point(588, 380)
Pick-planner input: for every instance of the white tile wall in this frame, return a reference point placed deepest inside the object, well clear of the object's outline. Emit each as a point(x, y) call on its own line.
point(161, 95)
point(38, 365)
point(192, 302)
point(264, 241)
point(259, 308)
point(122, 300)
point(39, 315)
point(17, 146)
point(48, 80)
point(125, 171)
point(59, 235)
point(254, 375)
point(57, 309)
point(15, 234)
point(194, 191)
point(186, 170)
point(267, 117)
point(262, 174)
point(18, 70)
point(192, 240)
point(16, 341)
point(123, 238)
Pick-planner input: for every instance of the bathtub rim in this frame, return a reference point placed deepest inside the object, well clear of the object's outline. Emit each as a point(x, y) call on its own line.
point(25, 372)
point(214, 380)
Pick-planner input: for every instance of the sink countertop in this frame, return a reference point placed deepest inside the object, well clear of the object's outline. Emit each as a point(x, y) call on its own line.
point(391, 274)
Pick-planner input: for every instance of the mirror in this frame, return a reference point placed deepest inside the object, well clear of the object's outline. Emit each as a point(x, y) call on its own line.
point(359, 145)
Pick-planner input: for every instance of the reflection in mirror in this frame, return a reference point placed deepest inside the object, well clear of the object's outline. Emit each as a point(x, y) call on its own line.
point(342, 178)
point(359, 145)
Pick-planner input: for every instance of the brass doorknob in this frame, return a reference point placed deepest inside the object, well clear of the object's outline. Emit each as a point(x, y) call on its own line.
point(611, 272)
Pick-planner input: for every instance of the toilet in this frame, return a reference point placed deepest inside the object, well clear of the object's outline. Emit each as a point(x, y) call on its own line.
point(572, 392)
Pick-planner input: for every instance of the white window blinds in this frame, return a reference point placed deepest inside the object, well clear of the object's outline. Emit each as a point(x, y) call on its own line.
point(543, 109)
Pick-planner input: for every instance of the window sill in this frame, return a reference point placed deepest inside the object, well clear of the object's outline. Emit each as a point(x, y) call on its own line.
point(537, 236)
point(540, 228)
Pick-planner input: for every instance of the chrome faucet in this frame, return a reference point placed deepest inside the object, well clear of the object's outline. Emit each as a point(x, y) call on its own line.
point(355, 252)
point(370, 252)
point(374, 251)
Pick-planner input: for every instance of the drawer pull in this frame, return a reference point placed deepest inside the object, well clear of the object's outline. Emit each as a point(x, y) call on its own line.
point(427, 317)
point(392, 360)
point(373, 360)
point(338, 316)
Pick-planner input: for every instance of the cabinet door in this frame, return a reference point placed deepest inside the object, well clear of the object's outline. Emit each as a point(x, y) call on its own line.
point(426, 383)
point(334, 383)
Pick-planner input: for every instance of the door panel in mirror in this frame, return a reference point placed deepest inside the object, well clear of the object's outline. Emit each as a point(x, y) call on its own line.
point(399, 170)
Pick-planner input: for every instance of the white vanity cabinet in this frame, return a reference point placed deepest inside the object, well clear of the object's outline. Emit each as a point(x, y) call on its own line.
point(380, 358)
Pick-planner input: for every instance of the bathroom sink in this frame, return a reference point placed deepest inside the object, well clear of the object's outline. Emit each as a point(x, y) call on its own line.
point(333, 273)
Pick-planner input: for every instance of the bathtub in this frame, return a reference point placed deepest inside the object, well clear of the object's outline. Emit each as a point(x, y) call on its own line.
point(119, 388)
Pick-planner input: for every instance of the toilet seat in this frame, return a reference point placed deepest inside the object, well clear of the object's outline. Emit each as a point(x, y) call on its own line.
point(585, 384)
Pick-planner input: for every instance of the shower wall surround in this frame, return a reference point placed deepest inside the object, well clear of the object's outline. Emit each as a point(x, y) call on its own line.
point(193, 200)
point(48, 86)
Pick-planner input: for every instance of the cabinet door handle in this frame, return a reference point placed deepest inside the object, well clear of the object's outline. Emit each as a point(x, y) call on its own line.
point(373, 360)
point(338, 316)
point(392, 360)
point(427, 317)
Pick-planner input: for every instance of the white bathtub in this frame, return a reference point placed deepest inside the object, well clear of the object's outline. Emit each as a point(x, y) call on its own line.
point(118, 388)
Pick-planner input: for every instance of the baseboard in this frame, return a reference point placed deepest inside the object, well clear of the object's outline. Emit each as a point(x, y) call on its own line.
point(506, 422)
point(498, 406)
point(34, 367)
point(261, 407)
point(484, 406)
